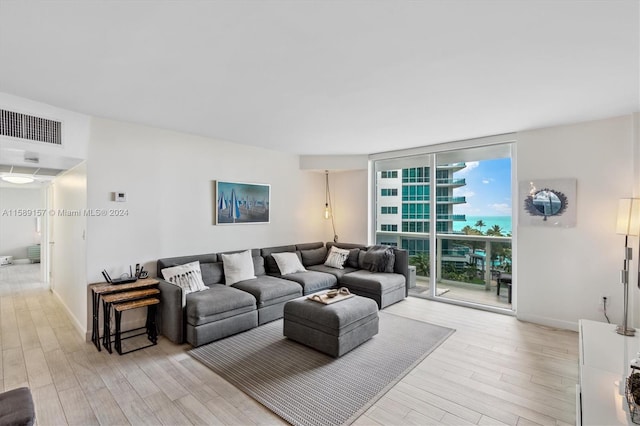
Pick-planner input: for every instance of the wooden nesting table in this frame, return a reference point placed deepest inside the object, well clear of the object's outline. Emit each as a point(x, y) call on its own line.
point(120, 297)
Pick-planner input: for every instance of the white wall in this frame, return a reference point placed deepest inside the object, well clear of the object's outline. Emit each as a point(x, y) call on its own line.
point(563, 273)
point(18, 232)
point(168, 178)
point(68, 253)
point(350, 205)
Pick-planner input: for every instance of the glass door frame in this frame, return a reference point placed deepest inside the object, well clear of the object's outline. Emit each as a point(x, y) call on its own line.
point(432, 151)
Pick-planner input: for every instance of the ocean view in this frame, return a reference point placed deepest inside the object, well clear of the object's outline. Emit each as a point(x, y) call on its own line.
point(503, 221)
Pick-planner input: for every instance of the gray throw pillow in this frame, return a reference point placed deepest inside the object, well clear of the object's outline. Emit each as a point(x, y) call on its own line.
point(352, 260)
point(313, 256)
point(361, 256)
point(379, 259)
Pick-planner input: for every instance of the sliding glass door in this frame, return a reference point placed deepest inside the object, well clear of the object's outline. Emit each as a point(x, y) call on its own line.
point(452, 211)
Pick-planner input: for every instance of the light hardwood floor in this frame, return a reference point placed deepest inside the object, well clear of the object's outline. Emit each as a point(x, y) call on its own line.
point(493, 370)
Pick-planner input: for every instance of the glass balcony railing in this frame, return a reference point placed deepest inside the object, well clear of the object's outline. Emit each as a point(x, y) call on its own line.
point(416, 179)
point(446, 181)
point(462, 268)
point(446, 199)
point(451, 166)
point(451, 217)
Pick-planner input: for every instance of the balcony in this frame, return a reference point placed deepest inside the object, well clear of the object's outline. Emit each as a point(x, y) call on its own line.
point(462, 270)
point(453, 166)
point(448, 217)
point(451, 200)
point(416, 179)
point(451, 182)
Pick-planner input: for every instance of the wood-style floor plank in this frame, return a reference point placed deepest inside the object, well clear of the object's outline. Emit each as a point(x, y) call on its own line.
point(494, 370)
point(76, 407)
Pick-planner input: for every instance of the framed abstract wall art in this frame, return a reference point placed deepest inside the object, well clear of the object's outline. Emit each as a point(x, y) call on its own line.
point(238, 203)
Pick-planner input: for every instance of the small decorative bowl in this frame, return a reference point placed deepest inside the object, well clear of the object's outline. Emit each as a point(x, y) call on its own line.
point(332, 293)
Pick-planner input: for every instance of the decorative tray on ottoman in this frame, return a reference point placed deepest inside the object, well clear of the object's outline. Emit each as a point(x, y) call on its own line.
point(332, 296)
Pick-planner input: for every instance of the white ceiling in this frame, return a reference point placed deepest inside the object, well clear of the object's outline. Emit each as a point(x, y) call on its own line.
point(327, 77)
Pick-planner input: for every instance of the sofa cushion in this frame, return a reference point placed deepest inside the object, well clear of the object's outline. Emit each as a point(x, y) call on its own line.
point(212, 273)
point(352, 260)
point(312, 281)
point(237, 267)
point(379, 259)
point(361, 256)
point(372, 282)
point(268, 290)
point(188, 277)
point(16, 407)
point(216, 303)
point(314, 256)
point(309, 246)
point(338, 273)
point(269, 262)
point(288, 263)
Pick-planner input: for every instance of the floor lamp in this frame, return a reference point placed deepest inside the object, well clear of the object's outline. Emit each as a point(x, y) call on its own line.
point(628, 224)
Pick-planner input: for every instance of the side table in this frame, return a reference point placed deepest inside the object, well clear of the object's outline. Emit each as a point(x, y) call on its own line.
point(100, 289)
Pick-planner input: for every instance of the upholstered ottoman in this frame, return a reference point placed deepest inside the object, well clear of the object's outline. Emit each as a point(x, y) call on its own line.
point(334, 329)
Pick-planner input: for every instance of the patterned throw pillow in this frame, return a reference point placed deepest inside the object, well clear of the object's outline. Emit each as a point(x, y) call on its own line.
point(337, 257)
point(187, 276)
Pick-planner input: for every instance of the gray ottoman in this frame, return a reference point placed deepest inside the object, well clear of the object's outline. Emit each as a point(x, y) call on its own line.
point(334, 329)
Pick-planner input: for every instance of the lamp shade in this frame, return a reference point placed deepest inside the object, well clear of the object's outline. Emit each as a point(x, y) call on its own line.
point(628, 216)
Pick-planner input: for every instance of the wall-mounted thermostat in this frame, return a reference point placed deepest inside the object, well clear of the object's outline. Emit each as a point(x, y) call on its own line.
point(120, 196)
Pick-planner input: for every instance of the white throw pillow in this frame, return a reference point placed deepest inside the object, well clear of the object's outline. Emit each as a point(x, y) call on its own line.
point(288, 263)
point(187, 276)
point(336, 257)
point(237, 267)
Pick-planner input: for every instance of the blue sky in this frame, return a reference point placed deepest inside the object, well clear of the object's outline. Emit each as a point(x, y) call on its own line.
point(488, 188)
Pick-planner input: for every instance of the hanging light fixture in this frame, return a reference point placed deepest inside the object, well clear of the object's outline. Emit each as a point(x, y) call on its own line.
point(327, 211)
point(327, 205)
point(17, 179)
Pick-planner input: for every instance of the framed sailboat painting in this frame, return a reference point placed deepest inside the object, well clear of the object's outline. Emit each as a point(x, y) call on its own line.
point(238, 203)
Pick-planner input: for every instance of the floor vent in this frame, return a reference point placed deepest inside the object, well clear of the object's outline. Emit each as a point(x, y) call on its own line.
point(30, 127)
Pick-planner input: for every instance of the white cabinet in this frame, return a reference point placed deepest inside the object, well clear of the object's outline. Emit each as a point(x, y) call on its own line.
point(604, 367)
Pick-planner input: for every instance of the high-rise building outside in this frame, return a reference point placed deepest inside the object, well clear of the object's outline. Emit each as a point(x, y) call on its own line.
point(403, 206)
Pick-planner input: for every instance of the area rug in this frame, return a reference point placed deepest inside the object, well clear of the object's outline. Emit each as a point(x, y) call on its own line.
point(306, 387)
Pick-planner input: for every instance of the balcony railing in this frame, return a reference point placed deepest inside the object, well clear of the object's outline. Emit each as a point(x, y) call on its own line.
point(456, 217)
point(446, 181)
point(416, 179)
point(451, 166)
point(478, 249)
point(446, 199)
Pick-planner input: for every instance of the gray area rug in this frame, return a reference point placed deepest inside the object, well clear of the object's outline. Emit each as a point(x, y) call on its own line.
point(306, 387)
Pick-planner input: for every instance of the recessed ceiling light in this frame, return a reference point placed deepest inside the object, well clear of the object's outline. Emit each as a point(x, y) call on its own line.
point(17, 179)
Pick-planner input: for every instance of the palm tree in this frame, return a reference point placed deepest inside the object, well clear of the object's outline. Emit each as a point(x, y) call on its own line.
point(467, 230)
point(480, 224)
point(421, 262)
point(495, 230)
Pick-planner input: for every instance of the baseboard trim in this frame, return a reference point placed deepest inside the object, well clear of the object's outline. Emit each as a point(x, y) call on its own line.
point(549, 322)
point(74, 321)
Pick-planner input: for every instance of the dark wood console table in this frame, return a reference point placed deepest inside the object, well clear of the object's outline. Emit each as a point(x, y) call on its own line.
point(98, 290)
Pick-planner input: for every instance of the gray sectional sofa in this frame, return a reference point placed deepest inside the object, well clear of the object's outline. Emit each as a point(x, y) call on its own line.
point(222, 310)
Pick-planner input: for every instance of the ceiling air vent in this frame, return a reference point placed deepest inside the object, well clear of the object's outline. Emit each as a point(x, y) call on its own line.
point(23, 126)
